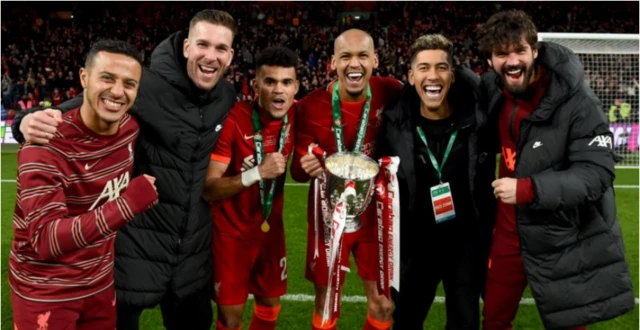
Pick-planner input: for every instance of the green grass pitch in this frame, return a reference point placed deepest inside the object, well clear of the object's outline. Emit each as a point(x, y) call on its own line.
point(298, 304)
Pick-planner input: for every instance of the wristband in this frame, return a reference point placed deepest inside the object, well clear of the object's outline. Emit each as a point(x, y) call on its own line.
point(249, 177)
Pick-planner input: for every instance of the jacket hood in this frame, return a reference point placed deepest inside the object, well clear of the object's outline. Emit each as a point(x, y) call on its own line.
point(566, 76)
point(168, 61)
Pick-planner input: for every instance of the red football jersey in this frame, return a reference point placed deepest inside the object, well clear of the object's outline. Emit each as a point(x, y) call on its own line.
point(241, 214)
point(68, 207)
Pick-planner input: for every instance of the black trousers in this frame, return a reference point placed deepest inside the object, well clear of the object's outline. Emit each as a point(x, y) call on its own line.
point(454, 260)
point(193, 312)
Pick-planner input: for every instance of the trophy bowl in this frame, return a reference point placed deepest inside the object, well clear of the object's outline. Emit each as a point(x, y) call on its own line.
point(343, 167)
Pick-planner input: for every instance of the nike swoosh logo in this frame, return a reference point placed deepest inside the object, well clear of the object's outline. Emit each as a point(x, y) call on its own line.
point(248, 137)
point(88, 167)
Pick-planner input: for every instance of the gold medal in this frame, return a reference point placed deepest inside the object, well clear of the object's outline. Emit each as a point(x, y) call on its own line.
point(265, 226)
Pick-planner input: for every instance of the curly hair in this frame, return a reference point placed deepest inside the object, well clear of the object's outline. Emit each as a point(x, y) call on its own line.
point(507, 28)
point(277, 56)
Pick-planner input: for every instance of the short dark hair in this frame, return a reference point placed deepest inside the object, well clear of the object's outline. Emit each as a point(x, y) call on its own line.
point(507, 28)
point(215, 17)
point(112, 46)
point(277, 56)
point(432, 42)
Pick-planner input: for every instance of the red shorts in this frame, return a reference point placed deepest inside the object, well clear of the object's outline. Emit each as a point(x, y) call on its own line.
point(363, 243)
point(241, 267)
point(94, 312)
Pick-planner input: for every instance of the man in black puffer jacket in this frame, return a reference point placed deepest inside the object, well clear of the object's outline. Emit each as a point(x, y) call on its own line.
point(434, 130)
point(164, 255)
point(556, 227)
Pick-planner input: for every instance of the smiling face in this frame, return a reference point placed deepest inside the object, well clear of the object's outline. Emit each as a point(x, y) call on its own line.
point(510, 39)
point(208, 52)
point(277, 87)
point(354, 59)
point(110, 88)
point(515, 65)
point(432, 76)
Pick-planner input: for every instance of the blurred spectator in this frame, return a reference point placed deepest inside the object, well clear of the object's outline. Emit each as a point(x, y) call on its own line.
point(56, 97)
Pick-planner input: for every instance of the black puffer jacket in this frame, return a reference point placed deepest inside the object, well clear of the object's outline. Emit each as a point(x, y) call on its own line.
point(167, 250)
point(572, 248)
point(169, 247)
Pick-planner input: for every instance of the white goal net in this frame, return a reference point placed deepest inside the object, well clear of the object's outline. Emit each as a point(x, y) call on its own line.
point(611, 69)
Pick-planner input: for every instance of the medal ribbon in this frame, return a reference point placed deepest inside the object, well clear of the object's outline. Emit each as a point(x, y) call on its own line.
point(337, 120)
point(447, 151)
point(266, 201)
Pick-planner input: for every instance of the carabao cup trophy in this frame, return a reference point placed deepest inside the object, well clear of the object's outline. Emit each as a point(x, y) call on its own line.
point(346, 188)
point(361, 171)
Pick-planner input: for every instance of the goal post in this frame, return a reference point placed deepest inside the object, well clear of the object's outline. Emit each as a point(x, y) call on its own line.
point(610, 64)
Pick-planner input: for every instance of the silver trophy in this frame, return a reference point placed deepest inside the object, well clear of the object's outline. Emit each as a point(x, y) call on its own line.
point(343, 167)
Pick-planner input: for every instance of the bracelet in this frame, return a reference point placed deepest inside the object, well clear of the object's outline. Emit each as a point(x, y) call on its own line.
point(249, 177)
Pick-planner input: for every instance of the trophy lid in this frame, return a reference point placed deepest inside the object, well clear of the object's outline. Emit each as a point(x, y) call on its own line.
point(352, 166)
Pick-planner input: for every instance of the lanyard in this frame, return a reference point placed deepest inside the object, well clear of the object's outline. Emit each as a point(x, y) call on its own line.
point(266, 201)
point(337, 120)
point(446, 152)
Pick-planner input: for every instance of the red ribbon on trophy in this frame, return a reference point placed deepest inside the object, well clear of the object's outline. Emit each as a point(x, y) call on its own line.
point(388, 215)
point(338, 221)
point(319, 186)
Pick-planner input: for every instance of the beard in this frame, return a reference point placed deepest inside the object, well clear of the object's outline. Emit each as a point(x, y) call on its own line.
point(521, 88)
point(355, 94)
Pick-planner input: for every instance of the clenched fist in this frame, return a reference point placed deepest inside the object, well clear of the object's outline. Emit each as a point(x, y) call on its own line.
point(40, 127)
point(273, 165)
point(505, 189)
point(311, 165)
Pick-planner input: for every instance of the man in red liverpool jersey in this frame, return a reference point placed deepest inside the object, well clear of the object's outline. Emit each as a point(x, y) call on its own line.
point(248, 235)
point(354, 59)
point(73, 195)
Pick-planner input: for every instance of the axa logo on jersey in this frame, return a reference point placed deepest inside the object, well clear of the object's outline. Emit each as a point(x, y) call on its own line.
point(603, 141)
point(112, 189)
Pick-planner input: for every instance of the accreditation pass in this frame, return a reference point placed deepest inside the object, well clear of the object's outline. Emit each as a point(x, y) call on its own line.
point(442, 202)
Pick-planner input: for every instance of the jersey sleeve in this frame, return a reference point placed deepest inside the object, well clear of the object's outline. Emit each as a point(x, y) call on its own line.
point(50, 230)
point(394, 88)
point(223, 151)
point(303, 138)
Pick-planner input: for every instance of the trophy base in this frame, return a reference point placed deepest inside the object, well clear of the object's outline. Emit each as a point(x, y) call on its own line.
point(352, 224)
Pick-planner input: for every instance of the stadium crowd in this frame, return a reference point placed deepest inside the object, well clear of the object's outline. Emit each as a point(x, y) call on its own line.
point(41, 62)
